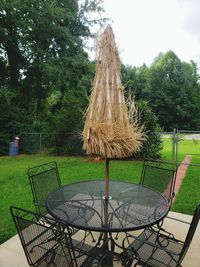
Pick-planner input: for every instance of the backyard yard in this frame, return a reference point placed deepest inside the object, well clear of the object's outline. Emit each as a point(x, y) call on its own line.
point(15, 188)
point(69, 88)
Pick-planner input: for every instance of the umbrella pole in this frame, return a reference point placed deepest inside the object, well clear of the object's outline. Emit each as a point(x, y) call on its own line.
point(107, 180)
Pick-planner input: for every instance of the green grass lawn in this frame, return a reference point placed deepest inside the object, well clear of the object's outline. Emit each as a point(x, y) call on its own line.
point(189, 194)
point(15, 188)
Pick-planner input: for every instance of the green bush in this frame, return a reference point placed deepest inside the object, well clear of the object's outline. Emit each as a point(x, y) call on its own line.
point(152, 146)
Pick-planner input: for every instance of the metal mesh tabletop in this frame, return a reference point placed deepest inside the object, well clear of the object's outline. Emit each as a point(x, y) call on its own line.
point(130, 206)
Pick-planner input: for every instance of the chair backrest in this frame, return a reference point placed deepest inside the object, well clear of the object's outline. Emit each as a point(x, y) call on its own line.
point(43, 180)
point(160, 176)
point(191, 232)
point(41, 240)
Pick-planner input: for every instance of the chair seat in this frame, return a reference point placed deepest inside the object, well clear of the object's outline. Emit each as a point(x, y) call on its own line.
point(156, 250)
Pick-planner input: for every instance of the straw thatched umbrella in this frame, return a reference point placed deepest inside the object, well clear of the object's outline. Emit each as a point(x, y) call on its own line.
point(108, 131)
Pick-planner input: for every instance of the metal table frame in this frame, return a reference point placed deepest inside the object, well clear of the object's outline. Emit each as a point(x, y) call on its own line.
point(130, 207)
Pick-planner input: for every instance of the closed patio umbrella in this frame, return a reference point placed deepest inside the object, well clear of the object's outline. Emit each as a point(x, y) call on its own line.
point(108, 131)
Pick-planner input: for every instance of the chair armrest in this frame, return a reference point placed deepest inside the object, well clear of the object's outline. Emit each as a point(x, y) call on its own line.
point(156, 245)
point(163, 231)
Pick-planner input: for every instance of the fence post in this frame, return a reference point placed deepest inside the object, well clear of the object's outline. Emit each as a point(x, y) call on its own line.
point(40, 142)
point(173, 143)
point(177, 145)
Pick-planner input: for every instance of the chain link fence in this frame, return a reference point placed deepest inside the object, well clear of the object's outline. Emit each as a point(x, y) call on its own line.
point(31, 143)
point(181, 140)
point(184, 143)
point(63, 143)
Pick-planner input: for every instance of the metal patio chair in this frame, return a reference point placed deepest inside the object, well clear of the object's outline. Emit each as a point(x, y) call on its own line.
point(158, 249)
point(160, 176)
point(43, 244)
point(48, 243)
point(45, 179)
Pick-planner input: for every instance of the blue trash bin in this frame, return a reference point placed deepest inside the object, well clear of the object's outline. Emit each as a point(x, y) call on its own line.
point(13, 149)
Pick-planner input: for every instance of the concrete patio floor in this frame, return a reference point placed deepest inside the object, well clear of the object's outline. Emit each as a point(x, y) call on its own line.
point(12, 255)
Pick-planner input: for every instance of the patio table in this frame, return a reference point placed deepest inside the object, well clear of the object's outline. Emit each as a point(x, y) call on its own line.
point(130, 207)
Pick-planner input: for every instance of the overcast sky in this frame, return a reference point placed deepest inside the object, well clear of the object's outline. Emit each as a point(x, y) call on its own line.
point(143, 28)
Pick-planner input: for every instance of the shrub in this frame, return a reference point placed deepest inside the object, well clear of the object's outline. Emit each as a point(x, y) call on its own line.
point(152, 146)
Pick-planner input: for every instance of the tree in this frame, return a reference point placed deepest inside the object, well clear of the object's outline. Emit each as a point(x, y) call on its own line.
point(8, 119)
point(135, 80)
point(64, 117)
point(171, 87)
point(9, 44)
point(172, 91)
point(42, 53)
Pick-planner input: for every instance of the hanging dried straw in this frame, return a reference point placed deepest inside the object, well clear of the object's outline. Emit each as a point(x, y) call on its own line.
point(108, 132)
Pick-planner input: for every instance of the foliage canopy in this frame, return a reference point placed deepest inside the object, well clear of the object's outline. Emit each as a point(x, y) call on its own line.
point(46, 74)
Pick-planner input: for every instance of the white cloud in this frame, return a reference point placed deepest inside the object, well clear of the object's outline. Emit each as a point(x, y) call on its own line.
point(143, 28)
point(191, 10)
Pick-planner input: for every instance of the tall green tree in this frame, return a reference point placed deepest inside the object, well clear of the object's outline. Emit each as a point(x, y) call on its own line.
point(134, 80)
point(10, 54)
point(173, 92)
point(42, 54)
point(171, 88)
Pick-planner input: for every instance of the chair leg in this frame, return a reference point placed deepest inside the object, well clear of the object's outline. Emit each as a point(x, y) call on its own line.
point(126, 260)
point(93, 239)
point(116, 237)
